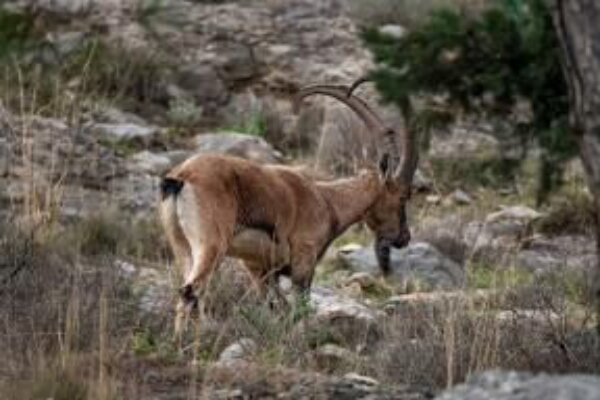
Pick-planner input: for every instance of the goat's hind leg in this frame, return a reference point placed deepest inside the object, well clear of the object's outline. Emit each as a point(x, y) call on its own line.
point(207, 248)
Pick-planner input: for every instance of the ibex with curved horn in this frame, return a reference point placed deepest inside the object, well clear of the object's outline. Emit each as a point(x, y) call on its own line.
point(279, 221)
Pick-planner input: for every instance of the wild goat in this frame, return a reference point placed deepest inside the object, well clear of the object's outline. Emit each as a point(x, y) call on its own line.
point(279, 221)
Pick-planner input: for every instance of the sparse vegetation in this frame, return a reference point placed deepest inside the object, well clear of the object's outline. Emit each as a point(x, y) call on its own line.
point(87, 294)
point(254, 124)
point(570, 212)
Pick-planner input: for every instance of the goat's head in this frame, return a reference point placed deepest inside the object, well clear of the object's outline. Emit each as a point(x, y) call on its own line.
point(396, 167)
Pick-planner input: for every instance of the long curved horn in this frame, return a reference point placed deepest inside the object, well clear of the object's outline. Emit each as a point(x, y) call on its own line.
point(364, 112)
point(406, 167)
point(373, 122)
point(357, 83)
point(410, 157)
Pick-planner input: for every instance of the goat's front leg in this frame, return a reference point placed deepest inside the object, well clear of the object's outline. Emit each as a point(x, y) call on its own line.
point(266, 283)
point(302, 274)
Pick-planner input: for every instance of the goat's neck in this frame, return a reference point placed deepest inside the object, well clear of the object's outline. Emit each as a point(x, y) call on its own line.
point(351, 198)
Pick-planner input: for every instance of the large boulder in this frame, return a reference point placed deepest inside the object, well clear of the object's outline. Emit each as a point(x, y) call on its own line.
point(347, 320)
point(497, 385)
point(250, 147)
point(420, 265)
point(203, 84)
point(501, 230)
point(564, 253)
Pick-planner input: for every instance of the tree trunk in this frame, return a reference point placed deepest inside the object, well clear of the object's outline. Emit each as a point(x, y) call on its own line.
point(577, 23)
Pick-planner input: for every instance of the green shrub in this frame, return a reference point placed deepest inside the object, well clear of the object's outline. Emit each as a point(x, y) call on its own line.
point(471, 174)
point(254, 124)
point(485, 65)
point(569, 213)
point(17, 34)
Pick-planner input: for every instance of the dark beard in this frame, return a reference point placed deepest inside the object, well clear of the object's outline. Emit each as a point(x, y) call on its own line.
point(382, 252)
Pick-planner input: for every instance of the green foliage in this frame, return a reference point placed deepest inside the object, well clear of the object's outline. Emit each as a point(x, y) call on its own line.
point(254, 124)
point(495, 277)
point(16, 33)
point(483, 65)
point(471, 174)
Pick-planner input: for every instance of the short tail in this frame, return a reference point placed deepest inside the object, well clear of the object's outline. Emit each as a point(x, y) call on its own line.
point(170, 187)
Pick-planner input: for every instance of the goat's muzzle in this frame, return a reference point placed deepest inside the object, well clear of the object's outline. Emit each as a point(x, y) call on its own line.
point(402, 240)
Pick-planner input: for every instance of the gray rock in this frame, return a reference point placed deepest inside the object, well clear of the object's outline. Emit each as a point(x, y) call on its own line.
point(421, 182)
point(328, 306)
point(66, 43)
point(419, 264)
point(136, 192)
point(240, 350)
point(205, 86)
point(346, 319)
point(461, 197)
point(157, 163)
point(126, 131)
point(501, 232)
point(361, 379)
point(558, 254)
point(496, 385)
point(147, 161)
point(237, 62)
point(518, 213)
point(238, 144)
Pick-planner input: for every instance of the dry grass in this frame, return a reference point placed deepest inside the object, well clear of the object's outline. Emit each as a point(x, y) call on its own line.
point(570, 212)
point(59, 310)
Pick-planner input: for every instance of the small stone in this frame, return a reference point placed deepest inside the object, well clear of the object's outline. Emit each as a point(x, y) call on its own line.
point(147, 161)
point(361, 379)
point(461, 197)
point(125, 268)
point(125, 131)
point(240, 350)
point(349, 248)
point(433, 199)
point(393, 31)
point(515, 213)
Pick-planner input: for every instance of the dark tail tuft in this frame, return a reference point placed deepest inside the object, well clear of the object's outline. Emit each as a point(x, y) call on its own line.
point(170, 187)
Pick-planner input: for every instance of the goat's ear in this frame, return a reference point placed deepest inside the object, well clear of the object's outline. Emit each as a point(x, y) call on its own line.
point(385, 169)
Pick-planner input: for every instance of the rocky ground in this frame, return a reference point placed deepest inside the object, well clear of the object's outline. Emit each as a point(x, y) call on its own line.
point(485, 283)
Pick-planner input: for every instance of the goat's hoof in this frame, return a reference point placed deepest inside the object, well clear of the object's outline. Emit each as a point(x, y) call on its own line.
point(186, 293)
